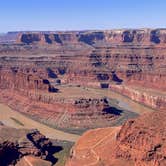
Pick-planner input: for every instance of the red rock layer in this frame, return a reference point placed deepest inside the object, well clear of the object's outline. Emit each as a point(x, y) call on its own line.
point(142, 95)
point(16, 79)
point(143, 139)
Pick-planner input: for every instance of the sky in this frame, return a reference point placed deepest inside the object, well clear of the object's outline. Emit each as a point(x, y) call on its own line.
point(51, 15)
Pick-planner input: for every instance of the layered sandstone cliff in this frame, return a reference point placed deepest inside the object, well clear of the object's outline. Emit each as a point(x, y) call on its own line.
point(137, 36)
point(134, 57)
point(149, 97)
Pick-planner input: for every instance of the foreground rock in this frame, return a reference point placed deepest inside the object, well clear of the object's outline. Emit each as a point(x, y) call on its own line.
point(140, 142)
point(16, 143)
point(33, 161)
point(8, 153)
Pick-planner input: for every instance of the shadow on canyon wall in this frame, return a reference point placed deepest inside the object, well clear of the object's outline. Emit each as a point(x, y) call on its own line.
point(112, 110)
point(51, 151)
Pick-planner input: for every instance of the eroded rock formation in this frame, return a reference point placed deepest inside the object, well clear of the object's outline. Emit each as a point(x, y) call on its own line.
point(137, 36)
point(8, 153)
point(18, 79)
point(16, 143)
point(62, 112)
point(139, 142)
point(143, 140)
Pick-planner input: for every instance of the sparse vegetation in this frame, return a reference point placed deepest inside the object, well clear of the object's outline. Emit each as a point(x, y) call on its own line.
point(63, 155)
point(17, 121)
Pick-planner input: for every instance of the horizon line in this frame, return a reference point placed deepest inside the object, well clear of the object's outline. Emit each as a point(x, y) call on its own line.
point(79, 30)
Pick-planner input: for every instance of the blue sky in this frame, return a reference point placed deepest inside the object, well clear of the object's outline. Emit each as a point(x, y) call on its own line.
point(18, 15)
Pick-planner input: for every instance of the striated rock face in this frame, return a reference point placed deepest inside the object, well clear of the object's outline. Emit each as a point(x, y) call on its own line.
point(16, 143)
point(142, 95)
point(24, 79)
point(143, 139)
point(140, 142)
point(138, 36)
point(134, 57)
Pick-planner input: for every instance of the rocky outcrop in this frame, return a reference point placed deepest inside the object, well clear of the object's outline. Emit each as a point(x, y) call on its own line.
point(16, 143)
point(24, 79)
point(143, 140)
point(8, 153)
point(139, 142)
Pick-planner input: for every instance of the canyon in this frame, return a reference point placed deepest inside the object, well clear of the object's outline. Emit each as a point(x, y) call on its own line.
point(35, 67)
point(80, 80)
point(126, 61)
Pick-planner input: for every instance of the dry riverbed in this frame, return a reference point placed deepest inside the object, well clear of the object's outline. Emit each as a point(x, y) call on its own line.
point(17, 120)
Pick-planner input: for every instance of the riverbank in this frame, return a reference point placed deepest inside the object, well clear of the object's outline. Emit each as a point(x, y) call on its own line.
point(6, 115)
